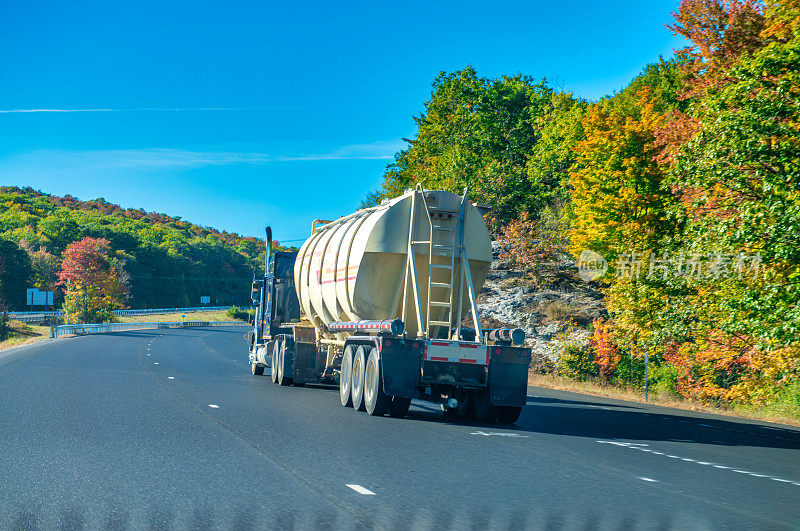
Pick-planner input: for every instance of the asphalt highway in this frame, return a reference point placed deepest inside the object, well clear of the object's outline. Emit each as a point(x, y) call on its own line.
point(168, 429)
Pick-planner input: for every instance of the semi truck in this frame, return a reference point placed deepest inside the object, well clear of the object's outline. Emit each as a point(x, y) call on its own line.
point(379, 302)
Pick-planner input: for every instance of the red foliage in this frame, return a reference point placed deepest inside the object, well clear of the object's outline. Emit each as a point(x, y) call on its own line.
point(720, 31)
point(88, 270)
point(85, 261)
point(606, 354)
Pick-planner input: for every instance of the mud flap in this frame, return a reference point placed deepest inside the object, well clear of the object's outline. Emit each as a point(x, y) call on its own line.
point(305, 360)
point(508, 376)
point(400, 371)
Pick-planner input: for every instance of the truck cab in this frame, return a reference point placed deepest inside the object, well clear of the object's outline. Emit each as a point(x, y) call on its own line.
point(276, 305)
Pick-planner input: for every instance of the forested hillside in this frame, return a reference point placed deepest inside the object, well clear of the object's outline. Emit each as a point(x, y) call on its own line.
point(687, 182)
point(166, 262)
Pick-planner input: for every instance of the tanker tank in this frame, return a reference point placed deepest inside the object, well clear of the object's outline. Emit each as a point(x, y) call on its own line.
point(357, 267)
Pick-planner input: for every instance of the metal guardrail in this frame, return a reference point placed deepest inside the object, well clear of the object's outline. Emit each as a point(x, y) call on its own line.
point(146, 311)
point(32, 318)
point(152, 311)
point(80, 329)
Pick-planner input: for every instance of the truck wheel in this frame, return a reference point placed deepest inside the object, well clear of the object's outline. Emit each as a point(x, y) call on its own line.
point(273, 370)
point(359, 361)
point(256, 369)
point(483, 409)
point(376, 401)
point(282, 378)
point(399, 407)
point(508, 414)
point(464, 408)
point(345, 377)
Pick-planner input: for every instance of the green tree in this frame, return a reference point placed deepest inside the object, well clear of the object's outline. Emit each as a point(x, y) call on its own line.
point(15, 272)
point(474, 132)
point(44, 267)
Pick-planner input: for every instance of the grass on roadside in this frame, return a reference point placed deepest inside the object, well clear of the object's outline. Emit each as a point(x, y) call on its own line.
point(21, 333)
point(560, 383)
point(217, 315)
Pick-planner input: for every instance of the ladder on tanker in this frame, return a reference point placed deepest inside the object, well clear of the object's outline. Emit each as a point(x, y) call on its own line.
point(444, 240)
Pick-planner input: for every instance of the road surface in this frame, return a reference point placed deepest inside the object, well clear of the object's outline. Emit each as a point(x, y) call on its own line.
point(168, 429)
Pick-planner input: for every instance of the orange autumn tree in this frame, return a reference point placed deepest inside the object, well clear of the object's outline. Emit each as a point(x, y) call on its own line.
point(619, 203)
point(94, 280)
point(606, 354)
point(736, 173)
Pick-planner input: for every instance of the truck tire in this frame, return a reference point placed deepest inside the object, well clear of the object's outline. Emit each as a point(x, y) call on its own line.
point(345, 377)
point(282, 378)
point(508, 414)
point(359, 362)
point(464, 408)
point(399, 407)
point(256, 369)
point(375, 400)
point(483, 410)
point(273, 370)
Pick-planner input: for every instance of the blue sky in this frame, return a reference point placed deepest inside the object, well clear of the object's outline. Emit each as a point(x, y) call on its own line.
point(240, 114)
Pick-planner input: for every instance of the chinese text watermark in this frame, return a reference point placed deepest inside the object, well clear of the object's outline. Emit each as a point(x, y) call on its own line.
point(713, 266)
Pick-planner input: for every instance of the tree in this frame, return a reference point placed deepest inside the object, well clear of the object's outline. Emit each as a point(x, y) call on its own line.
point(44, 267)
point(168, 259)
point(475, 132)
point(618, 198)
point(15, 271)
point(738, 177)
point(94, 281)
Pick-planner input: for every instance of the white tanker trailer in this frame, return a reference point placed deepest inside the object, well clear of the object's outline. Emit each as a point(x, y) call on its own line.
point(374, 301)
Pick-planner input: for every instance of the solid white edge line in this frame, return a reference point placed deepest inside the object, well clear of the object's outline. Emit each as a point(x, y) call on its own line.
point(361, 490)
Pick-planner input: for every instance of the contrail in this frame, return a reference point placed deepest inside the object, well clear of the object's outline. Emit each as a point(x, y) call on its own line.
point(160, 109)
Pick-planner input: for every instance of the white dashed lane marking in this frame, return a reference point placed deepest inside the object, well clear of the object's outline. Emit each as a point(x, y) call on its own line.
point(213, 406)
point(156, 363)
point(171, 377)
point(361, 490)
point(651, 480)
point(497, 434)
point(640, 447)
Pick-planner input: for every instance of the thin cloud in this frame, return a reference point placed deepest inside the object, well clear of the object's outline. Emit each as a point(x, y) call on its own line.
point(164, 158)
point(14, 111)
point(165, 109)
point(381, 150)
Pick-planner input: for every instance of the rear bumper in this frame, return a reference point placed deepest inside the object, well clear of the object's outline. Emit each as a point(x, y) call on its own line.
point(409, 365)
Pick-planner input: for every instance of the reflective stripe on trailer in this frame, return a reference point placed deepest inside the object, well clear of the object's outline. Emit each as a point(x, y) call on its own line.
point(456, 352)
